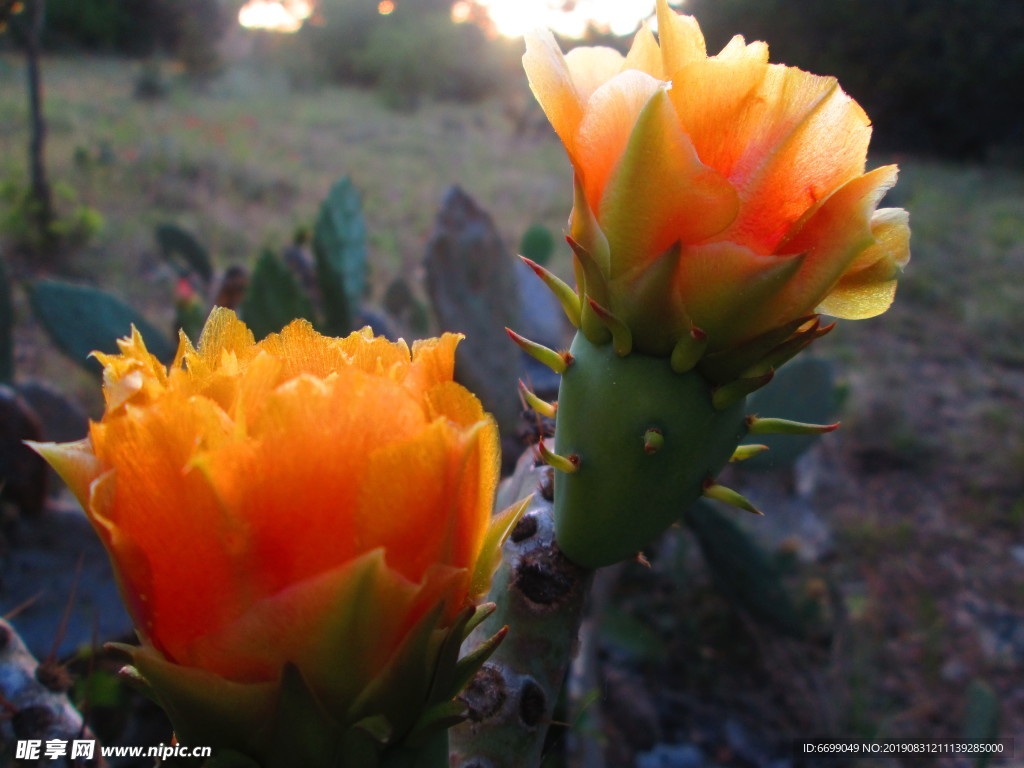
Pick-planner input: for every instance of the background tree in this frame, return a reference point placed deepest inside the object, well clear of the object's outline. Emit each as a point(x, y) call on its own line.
point(38, 206)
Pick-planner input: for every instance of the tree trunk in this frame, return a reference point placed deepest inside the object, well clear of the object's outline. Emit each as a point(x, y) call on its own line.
point(41, 198)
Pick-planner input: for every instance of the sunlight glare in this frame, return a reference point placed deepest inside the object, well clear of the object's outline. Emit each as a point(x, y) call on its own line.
point(462, 11)
point(513, 18)
point(385, 7)
point(275, 15)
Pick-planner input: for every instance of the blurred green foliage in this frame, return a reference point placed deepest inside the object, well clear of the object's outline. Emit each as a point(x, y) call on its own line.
point(127, 26)
point(537, 244)
point(75, 225)
point(187, 29)
point(933, 76)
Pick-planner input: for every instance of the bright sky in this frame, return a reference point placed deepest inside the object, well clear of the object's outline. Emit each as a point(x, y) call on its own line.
point(511, 18)
point(275, 15)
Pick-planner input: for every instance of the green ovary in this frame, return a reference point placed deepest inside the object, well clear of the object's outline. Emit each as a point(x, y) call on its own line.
point(622, 496)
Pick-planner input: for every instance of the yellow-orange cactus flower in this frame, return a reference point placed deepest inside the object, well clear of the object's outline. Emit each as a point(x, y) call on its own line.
point(303, 503)
point(721, 193)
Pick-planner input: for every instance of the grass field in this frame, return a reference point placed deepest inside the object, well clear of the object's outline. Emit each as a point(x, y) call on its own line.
point(924, 486)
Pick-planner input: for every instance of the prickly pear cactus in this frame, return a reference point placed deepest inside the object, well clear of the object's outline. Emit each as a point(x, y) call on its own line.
point(638, 437)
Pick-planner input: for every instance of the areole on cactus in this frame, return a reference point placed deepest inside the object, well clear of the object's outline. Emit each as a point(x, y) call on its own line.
point(721, 204)
point(302, 531)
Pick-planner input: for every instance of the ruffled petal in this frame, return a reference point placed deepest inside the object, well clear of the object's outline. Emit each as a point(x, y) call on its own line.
point(433, 362)
point(406, 501)
point(223, 334)
point(680, 37)
point(606, 127)
point(824, 145)
point(149, 508)
point(644, 54)
point(660, 193)
point(832, 236)
point(869, 286)
point(375, 354)
point(710, 97)
point(302, 350)
point(591, 67)
point(552, 84)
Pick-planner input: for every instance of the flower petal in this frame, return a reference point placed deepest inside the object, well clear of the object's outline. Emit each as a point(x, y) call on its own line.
point(711, 96)
point(321, 624)
point(591, 67)
point(868, 288)
point(405, 502)
point(552, 84)
point(223, 333)
point(644, 54)
point(660, 193)
point(680, 37)
point(300, 349)
point(823, 151)
point(318, 465)
point(606, 127)
point(832, 236)
point(75, 462)
point(722, 285)
point(148, 510)
point(433, 362)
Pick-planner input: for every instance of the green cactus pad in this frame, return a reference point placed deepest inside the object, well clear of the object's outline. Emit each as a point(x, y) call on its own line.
point(274, 298)
point(622, 496)
point(181, 249)
point(339, 244)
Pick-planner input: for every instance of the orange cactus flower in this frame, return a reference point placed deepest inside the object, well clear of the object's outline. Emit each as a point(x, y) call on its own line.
point(302, 502)
point(721, 193)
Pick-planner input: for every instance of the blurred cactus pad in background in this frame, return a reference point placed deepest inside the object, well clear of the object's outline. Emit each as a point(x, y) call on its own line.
point(353, 175)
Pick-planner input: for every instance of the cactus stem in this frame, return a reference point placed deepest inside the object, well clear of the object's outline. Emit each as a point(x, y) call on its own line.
point(713, 490)
point(543, 407)
point(556, 361)
point(734, 391)
point(759, 426)
point(688, 350)
point(567, 464)
point(622, 337)
point(653, 440)
point(563, 292)
point(744, 452)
